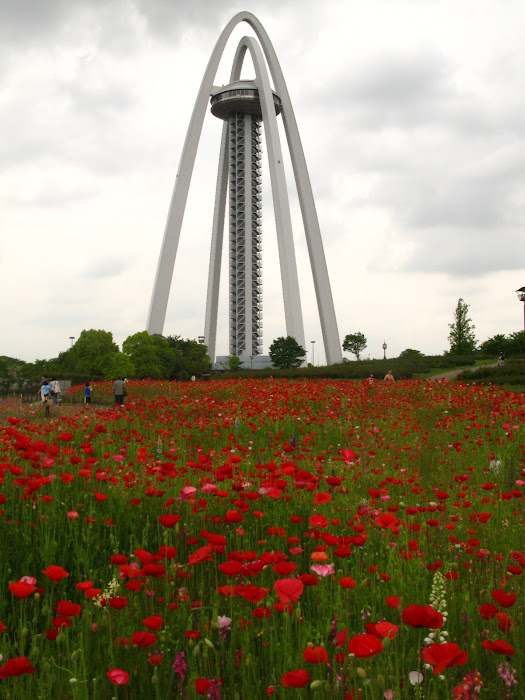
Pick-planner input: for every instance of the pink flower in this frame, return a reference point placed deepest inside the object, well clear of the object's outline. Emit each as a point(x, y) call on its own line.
point(118, 676)
point(323, 569)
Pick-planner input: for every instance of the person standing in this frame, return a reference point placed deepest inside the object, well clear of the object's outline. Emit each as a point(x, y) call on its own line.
point(56, 391)
point(118, 390)
point(45, 396)
point(87, 393)
point(389, 377)
point(501, 360)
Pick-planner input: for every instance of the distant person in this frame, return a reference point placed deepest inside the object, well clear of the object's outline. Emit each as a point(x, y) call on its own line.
point(389, 377)
point(192, 377)
point(56, 391)
point(119, 389)
point(501, 360)
point(87, 393)
point(370, 380)
point(45, 392)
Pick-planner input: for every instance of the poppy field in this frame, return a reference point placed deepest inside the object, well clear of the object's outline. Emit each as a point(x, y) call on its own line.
point(250, 538)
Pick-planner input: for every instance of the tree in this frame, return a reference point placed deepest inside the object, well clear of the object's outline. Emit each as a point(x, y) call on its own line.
point(191, 357)
point(286, 353)
point(410, 354)
point(119, 364)
point(233, 363)
point(495, 345)
point(354, 343)
point(151, 355)
point(462, 339)
point(92, 352)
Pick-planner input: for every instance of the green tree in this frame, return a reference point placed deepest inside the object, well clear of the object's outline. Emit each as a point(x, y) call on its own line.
point(462, 339)
point(410, 354)
point(92, 352)
point(233, 364)
point(121, 364)
point(151, 355)
point(286, 353)
point(191, 357)
point(495, 345)
point(516, 343)
point(354, 343)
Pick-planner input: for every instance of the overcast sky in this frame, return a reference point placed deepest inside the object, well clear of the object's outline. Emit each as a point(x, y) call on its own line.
point(411, 115)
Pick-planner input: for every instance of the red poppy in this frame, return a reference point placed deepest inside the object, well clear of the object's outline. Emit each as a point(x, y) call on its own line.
point(445, 655)
point(315, 655)
point(202, 685)
point(364, 645)
point(346, 582)
point(144, 639)
point(192, 634)
point(499, 646)
point(118, 602)
point(422, 616)
point(16, 667)
point(506, 600)
point(153, 623)
point(118, 676)
point(288, 590)
point(55, 573)
point(295, 679)
point(284, 568)
point(64, 607)
point(487, 611)
point(169, 520)
point(21, 589)
point(382, 629)
point(393, 601)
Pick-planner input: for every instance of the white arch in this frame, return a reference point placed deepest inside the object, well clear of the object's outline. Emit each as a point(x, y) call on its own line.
point(159, 300)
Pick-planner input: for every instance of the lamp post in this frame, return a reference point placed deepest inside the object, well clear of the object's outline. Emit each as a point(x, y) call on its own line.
point(521, 296)
point(251, 362)
point(201, 342)
point(71, 338)
point(384, 350)
point(313, 356)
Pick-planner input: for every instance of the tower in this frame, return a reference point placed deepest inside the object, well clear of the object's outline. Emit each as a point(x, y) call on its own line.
point(239, 105)
point(243, 105)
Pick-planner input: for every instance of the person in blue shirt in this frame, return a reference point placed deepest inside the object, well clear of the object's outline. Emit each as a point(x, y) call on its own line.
point(87, 393)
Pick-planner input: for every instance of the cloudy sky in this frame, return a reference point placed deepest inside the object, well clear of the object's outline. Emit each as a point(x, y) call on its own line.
point(412, 118)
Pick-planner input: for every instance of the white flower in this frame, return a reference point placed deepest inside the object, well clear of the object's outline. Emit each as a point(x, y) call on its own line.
point(415, 677)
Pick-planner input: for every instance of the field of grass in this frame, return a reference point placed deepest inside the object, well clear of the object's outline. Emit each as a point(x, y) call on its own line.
point(255, 538)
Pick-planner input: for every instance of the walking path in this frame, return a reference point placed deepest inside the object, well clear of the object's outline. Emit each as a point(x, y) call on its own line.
point(455, 372)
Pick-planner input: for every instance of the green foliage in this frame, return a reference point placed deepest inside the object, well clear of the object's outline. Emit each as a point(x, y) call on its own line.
point(410, 354)
point(462, 339)
point(286, 353)
point(495, 345)
point(92, 352)
point(121, 364)
point(233, 364)
point(512, 374)
point(191, 358)
point(354, 343)
point(151, 355)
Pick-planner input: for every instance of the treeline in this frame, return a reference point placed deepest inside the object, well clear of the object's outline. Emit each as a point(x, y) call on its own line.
point(95, 356)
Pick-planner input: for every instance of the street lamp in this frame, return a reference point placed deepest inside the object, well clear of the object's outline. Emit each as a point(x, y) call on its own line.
point(71, 338)
point(313, 358)
point(251, 362)
point(384, 350)
point(201, 342)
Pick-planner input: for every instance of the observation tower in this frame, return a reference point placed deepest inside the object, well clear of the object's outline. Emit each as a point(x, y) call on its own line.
point(239, 105)
point(243, 105)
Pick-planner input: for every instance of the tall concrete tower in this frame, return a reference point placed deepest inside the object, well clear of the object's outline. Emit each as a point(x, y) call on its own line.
point(243, 105)
point(238, 103)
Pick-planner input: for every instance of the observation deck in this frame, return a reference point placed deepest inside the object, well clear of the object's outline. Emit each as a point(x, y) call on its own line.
point(241, 97)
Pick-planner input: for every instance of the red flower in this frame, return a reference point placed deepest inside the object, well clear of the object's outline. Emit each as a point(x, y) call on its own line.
point(118, 602)
point(16, 667)
point(347, 582)
point(153, 623)
point(445, 655)
point(422, 616)
point(21, 589)
point(192, 634)
point(202, 685)
point(364, 645)
point(295, 679)
point(393, 601)
point(315, 655)
point(499, 646)
point(382, 629)
point(144, 639)
point(506, 600)
point(118, 676)
point(169, 520)
point(487, 611)
point(284, 568)
point(55, 573)
point(288, 590)
point(64, 607)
